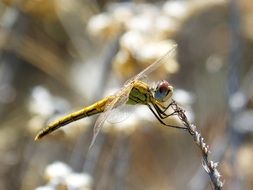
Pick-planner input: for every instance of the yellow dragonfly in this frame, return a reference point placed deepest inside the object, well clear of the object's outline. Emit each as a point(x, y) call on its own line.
point(133, 92)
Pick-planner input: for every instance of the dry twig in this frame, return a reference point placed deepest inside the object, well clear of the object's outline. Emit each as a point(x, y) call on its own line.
point(209, 166)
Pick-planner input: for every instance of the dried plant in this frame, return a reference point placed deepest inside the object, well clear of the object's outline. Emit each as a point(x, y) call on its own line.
point(209, 166)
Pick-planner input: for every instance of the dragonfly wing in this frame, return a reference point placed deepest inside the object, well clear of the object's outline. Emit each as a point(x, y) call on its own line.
point(120, 98)
point(156, 64)
point(121, 113)
point(98, 125)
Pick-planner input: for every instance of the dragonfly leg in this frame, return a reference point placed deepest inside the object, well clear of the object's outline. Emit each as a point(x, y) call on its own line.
point(157, 115)
point(162, 107)
point(162, 113)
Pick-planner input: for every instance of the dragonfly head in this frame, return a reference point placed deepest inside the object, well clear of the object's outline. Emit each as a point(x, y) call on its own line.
point(163, 91)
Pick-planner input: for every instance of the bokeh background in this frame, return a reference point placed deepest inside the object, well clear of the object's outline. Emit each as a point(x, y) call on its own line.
point(57, 56)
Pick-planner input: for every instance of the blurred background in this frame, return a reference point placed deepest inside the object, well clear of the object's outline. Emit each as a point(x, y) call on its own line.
point(58, 56)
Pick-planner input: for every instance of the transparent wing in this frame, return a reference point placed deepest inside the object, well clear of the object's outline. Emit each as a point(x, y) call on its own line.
point(99, 123)
point(121, 113)
point(121, 96)
point(119, 99)
point(156, 64)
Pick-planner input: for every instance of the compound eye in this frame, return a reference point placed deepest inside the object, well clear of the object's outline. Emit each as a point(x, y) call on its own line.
point(163, 91)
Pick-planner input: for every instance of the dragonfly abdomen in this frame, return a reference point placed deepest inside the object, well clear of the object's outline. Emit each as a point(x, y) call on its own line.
point(85, 112)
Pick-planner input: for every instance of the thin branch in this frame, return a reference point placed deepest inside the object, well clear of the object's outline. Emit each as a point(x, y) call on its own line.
point(209, 166)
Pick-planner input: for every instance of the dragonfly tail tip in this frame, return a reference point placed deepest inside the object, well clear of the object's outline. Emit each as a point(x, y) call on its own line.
point(37, 137)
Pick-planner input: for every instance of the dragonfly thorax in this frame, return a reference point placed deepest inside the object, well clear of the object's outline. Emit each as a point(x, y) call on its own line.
point(140, 94)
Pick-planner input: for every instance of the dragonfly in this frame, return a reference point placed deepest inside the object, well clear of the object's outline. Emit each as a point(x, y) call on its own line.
point(133, 92)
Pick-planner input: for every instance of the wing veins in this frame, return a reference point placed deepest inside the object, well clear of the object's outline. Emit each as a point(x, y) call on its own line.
point(123, 94)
